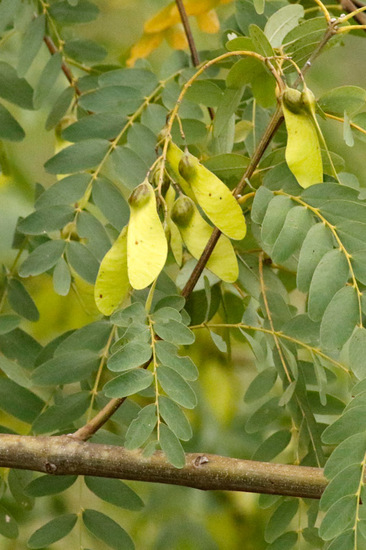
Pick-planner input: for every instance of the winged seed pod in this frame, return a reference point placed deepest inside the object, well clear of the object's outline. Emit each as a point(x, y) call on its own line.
point(215, 199)
point(196, 232)
point(147, 247)
point(112, 283)
point(303, 155)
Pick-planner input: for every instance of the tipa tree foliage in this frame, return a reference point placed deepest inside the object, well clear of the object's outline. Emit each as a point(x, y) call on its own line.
point(192, 226)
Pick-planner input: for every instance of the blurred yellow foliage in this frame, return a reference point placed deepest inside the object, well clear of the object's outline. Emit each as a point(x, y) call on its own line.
point(166, 25)
point(208, 22)
point(60, 313)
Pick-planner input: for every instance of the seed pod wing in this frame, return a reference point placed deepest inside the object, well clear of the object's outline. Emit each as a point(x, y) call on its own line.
point(147, 246)
point(215, 199)
point(303, 155)
point(112, 283)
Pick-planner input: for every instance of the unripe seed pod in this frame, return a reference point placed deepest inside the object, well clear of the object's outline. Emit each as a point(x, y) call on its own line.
point(308, 100)
point(182, 211)
point(187, 166)
point(139, 196)
point(293, 100)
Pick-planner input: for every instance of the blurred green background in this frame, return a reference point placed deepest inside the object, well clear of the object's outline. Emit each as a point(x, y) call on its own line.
point(174, 518)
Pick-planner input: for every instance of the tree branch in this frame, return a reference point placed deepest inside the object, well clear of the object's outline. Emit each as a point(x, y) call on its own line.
point(62, 455)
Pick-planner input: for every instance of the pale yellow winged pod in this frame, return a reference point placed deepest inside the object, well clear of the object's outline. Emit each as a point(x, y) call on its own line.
point(174, 156)
point(196, 232)
point(147, 247)
point(175, 239)
point(112, 284)
point(303, 155)
point(215, 199)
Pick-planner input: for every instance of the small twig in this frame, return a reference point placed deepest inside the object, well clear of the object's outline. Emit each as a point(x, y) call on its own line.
point(188, 31)
point(191, 43)
point(65, 68)
point(352, 124)
point(90, 428)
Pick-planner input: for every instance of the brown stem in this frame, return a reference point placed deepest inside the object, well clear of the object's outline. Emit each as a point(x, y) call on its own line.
point(188, 31)
point(349, 6)
point(191, 43)
point(65, 68)
point(62, 455)
point(263, 144)
point(90, 428)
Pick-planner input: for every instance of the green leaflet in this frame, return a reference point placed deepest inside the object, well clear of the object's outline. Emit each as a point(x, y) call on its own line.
point(10, 129)
point(63, 414)
point(329, 276)
point(129, 383)
point(280, 519)
point(8, 525)
point(339, 319)
point(339, 517)
point(175, 418)
point(272, 446)
point(54, 530)
point(344, 483)
point(49, 485)
point(282, 22)
point(274, 218)
point(107, 530)
point(176, 387)
point(115, 492)
point(357, 353)
point(261, 385)
point(350, 451)
point(171, 446)
point(316, 244)
point(141, 427)
point(295, 228)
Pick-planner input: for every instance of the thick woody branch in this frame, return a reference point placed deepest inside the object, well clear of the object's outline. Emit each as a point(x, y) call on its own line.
point(62, 455)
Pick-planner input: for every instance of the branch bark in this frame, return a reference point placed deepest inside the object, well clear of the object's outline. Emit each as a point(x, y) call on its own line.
point(63, 455)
